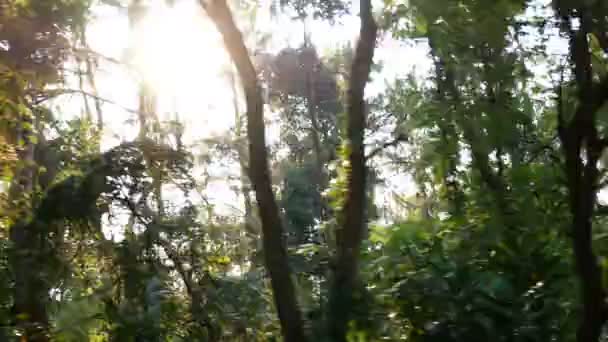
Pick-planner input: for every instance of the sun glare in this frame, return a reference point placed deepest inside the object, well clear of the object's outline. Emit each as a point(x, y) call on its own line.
point(179, 53)
point(178, 47)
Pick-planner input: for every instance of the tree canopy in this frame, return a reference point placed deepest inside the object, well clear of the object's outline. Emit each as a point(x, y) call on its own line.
point(303, 170)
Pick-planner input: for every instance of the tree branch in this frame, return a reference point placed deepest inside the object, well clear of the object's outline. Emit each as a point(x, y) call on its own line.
point(60, 92)
point(400, 138)
point(542, 148)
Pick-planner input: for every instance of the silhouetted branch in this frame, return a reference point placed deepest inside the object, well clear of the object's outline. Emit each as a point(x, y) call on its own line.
point(61, 92)
point(399, 139)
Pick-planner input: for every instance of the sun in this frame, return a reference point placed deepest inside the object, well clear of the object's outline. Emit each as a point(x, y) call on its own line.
point(178, 52)
point(176, 46)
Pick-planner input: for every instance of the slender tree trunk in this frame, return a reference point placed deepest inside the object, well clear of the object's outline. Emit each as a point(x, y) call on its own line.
point(582, 179)
point(250, 227)
point(351, 232)
point(26, 256)
point(85, 97)
point(28, 246)
point(90, 73)
point(579, 137)
point(316, 141)
point(275, 252)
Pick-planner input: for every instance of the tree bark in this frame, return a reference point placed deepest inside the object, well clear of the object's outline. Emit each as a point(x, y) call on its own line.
point(275, 252)
point(351, 232)
point(28, 246)
point(579, 137)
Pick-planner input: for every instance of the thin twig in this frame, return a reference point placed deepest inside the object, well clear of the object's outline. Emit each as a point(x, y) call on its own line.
point(61, 92)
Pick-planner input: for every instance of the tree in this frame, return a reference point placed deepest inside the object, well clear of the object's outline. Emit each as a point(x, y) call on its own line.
point(350, 233)
point(275, 253)
point(583, 145)
point(36, 48)
point(493, 229)
point(276, 259)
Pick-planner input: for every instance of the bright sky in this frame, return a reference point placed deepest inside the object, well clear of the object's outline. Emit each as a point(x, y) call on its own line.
point(179, 52)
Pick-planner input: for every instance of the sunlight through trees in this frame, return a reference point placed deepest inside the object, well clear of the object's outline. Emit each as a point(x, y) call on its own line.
point(303, 170)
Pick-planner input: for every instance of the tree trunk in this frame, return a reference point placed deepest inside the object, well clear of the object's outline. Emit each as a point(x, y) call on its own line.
point(316, 141)
point(275, 252)
point(580, 137)
point(27, 254)
point(582, 178)
point(351, 232)
point(250, 227)
point(90, 72)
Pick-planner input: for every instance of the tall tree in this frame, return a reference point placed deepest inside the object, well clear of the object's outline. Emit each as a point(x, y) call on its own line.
point(351, 230)
point(583, 145)
point(275, 253)
point(35, 49)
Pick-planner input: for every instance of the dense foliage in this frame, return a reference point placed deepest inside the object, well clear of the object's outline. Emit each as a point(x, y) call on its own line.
point(502, 138)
